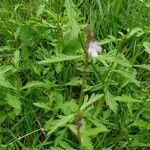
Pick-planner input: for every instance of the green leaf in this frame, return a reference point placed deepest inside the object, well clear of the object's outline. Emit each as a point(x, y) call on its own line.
point(14, 102)
point(86, 143)
point(142, 124)
point(2, 117)
point(130, 76)
point(56, 59)
point(16, 58)
point(5, 83)
point(52, 125)
point(96, 131)
point(73, 129)
point(92, 100)
point(5, 48)
point(113, 105)
point(58, 67)
point(69, 107)
point(32, 84)
point(93, 88)
point(42, 105)
point(56, 148)
point(65, 145)
point(5, 68)
point(40, 10)
point(108, 40)
point(147, 47)
point(143, 66)
point(134, 31)
point(72, 14)
point(126, 99)
point(119, 59)
point(74, 82)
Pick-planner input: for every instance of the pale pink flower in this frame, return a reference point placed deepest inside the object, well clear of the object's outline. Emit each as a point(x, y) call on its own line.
point(94, 48)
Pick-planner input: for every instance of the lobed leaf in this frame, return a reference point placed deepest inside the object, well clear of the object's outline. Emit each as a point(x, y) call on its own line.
point(32, 84)
point(92, 100)
point(52, 125)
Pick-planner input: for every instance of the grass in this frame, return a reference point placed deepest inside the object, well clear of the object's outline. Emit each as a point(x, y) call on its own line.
point(54, 96)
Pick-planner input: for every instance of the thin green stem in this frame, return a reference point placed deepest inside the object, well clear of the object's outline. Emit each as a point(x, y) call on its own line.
point(80, 140)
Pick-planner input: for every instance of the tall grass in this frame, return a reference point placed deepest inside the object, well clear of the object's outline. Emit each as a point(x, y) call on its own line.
point(49, 99)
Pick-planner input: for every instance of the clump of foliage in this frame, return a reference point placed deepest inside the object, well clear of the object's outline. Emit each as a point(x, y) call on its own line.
point(52, 96)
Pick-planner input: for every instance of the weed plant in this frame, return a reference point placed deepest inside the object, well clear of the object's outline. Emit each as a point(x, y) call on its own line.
point(54, 96)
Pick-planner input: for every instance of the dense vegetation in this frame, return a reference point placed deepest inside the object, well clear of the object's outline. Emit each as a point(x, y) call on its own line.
point(55, 96)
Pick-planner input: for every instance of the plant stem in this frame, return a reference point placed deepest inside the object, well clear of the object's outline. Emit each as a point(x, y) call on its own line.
point(80, 141)
point(84, 76)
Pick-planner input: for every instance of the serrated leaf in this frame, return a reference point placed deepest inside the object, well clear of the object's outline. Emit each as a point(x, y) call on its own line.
point(42, 105)
point(56, 59)
point(142, 124)
point(147, 47)
point(69, 107)
point(134, 31)
point(5, 83)
point(32, 84)
point(74, 82)
point(5, 48)
point(16, 58)
point(129, 76)
point(40, 10)
point(65, 145)
point(93, 88)
point(52, 125)
point(92, 100)
point(109, 40)
point(5, 68)
point(14, 102)
point(111, 102)
point(120, 59)
point(86, 143)
point(72, 14)
point(95, 131)
point(126, 99)
point(73, 129)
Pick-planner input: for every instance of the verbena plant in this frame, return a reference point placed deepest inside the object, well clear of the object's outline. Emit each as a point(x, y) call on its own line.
point(53, 95)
